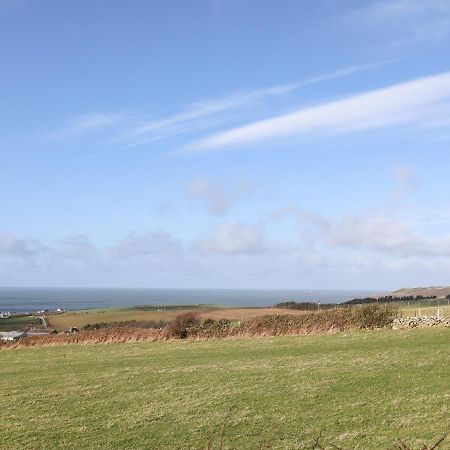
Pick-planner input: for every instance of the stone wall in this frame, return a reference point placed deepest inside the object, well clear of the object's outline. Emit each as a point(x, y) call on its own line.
point(423, 321)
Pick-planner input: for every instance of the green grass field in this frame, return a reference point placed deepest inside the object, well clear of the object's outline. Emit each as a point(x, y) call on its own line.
point(18, 323)
point(425, 308)
point(64, 321)
point(362, 390)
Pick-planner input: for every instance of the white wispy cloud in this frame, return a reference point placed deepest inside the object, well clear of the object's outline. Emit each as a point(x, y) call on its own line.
point(217, 199)
point(205, 114)
point(153, 243)
point(381, 233)
point(13, 246)
point(426, 217)
point(234, 239)
point(406, 177)
point(134, 129)
point(326, 246)
point(412, 102)
point(87, 123)
point(406, 181)
point(76, 247)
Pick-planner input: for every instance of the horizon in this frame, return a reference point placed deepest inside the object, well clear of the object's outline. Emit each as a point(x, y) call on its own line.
point(195, 288)
point(225, 145)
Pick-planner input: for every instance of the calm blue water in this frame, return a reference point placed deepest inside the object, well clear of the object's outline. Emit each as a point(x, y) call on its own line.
point(32, 299)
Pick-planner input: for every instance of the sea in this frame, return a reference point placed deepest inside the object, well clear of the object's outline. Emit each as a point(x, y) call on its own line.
point(33, 299)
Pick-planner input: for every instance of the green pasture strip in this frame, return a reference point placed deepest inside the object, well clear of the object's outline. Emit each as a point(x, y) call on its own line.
point(17, 323)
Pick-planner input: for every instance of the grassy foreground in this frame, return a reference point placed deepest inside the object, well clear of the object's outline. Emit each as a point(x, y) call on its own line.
point(362, 389)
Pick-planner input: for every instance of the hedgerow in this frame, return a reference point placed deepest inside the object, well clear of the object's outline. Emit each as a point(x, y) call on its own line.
point(191, 325)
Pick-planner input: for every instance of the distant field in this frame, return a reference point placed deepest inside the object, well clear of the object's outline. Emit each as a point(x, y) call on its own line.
point(425, 307)
point(62, 322)
point(17, 323)
point(425, 311)
point(360, 390)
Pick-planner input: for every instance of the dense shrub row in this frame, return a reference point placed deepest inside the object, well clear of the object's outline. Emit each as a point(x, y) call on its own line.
point(339, 319)
point(151, 324)
point(191, 325)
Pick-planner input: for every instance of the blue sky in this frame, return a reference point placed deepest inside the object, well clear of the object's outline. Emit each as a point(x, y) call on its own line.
point(225, 143)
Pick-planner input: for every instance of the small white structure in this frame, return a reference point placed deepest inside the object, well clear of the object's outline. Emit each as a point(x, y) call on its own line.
point(12, 335)
point(39, 332)
point(5, 315)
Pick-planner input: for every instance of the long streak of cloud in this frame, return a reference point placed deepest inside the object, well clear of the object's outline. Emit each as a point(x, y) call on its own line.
point(200, 114)
point(410, 102)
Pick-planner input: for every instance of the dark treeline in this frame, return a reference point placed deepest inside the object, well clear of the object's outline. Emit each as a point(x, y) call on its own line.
point(304, 306)
point(151, 324)
point(309, 306)
point(387, 299)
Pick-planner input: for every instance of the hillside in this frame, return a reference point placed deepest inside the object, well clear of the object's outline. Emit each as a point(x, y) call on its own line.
point(438, 291)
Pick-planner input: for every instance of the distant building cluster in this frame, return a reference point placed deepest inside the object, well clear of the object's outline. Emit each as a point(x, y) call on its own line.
point(14, 335)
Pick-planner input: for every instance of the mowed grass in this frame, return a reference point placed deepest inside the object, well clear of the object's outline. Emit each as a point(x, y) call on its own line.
point(361, 390)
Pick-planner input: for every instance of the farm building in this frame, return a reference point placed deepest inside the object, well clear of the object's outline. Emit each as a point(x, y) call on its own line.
point(12, 335)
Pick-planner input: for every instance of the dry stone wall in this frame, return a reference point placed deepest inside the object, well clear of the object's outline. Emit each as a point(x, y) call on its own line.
point(423, 321)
